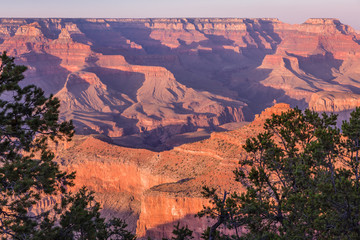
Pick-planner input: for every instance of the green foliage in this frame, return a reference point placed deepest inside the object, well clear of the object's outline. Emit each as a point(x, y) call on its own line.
point(215, 235)
point(28, 174)
point(223, 210)
point(182, 233)
point(27, 121)
point(302, 181)
point(81, 219)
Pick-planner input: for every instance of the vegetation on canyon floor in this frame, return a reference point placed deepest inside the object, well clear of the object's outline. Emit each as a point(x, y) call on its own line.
point(29, 176)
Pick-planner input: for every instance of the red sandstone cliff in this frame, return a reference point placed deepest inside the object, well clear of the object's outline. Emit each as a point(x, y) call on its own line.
point(153, 78)
point(142, 81)
point(155, 190)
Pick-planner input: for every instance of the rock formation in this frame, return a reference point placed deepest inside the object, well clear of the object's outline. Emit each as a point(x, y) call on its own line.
point(155, 190)
point(158, 83)
point(148, 79)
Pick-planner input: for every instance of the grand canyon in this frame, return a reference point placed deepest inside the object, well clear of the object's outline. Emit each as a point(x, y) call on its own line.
point(162, 107)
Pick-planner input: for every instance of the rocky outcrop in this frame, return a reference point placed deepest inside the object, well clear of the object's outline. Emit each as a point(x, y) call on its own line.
point(160, 77)
point(104, 93)
point(139, 82)
point(334, 101)
point(160, 212)
point(340, 103)
point(155, 190)
point(166, 204)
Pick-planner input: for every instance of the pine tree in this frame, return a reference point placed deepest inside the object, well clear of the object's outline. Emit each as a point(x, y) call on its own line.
point(28, 120)
point(182, 233)
point(302, 180)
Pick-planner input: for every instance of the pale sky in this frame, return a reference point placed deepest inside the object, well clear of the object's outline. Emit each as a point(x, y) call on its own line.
point(290, 11)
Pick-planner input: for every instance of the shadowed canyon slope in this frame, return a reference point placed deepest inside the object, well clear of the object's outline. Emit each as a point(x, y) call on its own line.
point(152, 190)
point(141, 81)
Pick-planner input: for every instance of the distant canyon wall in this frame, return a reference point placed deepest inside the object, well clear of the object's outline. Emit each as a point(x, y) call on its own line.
point(154, 78)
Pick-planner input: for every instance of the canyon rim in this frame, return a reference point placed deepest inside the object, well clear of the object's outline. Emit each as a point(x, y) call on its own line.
point(162, 106)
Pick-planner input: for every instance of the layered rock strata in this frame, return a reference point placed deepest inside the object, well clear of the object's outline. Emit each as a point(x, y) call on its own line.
point(153, 191)
point(154, 78)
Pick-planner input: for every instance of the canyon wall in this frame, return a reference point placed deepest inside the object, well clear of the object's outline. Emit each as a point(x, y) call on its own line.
point(139, 82)
point(153, 191)
point(149, 79)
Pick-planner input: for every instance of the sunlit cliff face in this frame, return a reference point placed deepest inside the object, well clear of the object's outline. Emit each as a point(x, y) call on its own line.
point(157, 83)
point(155, 78)
point(155, 190)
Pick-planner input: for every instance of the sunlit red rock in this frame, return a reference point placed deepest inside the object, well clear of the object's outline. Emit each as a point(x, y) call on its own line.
point(160, 77)
point(159, 83)
point(155, 190)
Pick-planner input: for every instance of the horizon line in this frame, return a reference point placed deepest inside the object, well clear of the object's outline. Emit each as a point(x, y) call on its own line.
point(357, 30)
